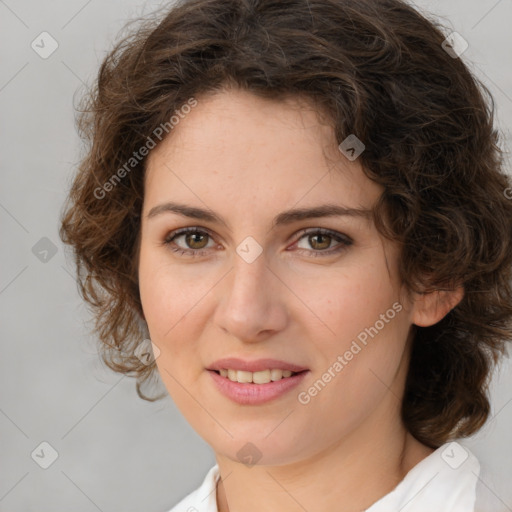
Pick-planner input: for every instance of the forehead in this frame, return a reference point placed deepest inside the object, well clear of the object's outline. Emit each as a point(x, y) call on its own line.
point(255, 153)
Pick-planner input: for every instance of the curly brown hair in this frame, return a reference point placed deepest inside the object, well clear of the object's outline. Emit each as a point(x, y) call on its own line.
point(379, 70)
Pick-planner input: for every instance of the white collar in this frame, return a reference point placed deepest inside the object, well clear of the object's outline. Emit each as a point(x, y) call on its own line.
point(445, 481)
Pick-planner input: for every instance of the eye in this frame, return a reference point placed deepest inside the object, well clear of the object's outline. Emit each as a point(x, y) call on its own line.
point(321, 239)
point(195, 241)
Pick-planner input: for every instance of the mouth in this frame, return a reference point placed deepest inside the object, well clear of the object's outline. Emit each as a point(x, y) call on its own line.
point(255, 382)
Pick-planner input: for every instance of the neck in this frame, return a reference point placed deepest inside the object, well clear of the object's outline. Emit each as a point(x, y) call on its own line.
point(353, 474)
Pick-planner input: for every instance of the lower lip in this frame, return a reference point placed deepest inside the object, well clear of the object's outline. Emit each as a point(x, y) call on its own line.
point(255, 394)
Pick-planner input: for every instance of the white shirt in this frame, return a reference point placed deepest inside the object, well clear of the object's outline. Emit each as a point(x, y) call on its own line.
point(445, 481)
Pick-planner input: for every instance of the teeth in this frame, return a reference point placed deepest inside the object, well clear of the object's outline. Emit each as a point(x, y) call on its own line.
point(262, 377)
point(244, 376)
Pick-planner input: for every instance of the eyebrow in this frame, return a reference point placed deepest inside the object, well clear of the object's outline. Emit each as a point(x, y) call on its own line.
point(284, 218)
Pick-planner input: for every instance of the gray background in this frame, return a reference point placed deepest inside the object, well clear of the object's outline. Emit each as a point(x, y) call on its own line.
point(115, 451)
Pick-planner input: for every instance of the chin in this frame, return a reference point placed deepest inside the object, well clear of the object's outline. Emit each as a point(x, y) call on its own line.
point(252, 448)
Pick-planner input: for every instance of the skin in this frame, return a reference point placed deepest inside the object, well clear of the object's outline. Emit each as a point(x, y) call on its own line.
point(248, 159)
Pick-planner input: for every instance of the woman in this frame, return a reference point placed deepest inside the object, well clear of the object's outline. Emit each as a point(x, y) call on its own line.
point(303, 206)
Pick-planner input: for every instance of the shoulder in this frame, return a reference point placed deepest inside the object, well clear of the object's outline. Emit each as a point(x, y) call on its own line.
point(204, 498)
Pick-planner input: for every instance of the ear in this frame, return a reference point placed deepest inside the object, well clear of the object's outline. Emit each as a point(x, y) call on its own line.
point(429, 308)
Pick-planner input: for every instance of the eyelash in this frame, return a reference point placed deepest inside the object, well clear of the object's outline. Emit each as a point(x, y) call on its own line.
point(344, 240)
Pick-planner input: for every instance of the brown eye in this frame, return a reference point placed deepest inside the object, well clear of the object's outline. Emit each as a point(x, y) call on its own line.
point(196, 240)
point(192, 241)
point(320, 241)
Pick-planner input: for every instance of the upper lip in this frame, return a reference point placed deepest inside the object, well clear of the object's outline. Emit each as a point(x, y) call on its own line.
point(257, 365)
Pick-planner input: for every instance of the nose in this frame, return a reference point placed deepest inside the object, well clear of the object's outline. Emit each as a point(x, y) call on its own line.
point(252, 305)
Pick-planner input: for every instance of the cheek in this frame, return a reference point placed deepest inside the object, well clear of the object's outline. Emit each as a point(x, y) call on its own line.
point(167, 297)
point(354, 379)
point(368, 328)
point(176, 305)
point(166, 294)
point(168, 305)
point(171, 302)
point(352, 300)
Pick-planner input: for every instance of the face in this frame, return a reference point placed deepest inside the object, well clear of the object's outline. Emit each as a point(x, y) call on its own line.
point(257, 291)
